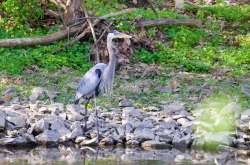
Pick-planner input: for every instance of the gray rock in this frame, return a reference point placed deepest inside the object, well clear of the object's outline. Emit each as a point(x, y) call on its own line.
point(165, 135)
point(245, 115)
point(40, 126)
point(44, 110)
point(16, 121)
point(153, 144)
point(78, 131)
point(2, 120)
point(89, 142)
point(74, 112)
point(184, 122)
point(13, 141)
point(151, 108)
point(133, 143)
point(29, 137)
point(58, 125)
point(131, 112)
point(107, 141)
point(48, 137)
point(56, 108)
point(9, 91)
point(37, 93)
point(174, 108)
point(80, 139)
point(180, 141)
point(144, 134)
point(125, 103)
point(146, 123)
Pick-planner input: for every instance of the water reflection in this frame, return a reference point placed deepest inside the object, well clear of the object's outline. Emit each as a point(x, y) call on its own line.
point(115, 156)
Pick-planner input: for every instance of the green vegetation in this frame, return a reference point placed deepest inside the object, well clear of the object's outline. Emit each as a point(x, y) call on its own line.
point(215, 121)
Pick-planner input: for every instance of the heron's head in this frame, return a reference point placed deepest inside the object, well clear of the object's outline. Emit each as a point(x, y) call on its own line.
point(115, 34)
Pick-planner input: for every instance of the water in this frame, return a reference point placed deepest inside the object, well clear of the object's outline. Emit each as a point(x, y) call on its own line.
point(63, 155)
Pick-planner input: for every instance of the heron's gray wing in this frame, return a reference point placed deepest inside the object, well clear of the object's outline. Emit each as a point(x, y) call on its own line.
point(89, 82)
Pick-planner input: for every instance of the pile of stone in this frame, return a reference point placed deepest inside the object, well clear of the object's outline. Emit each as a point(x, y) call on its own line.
point(34, 122)
point(243, 130)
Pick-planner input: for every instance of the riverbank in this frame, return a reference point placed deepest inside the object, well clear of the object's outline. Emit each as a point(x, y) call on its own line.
point(37, 122)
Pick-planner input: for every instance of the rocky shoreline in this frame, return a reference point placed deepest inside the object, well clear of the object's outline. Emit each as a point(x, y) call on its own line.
point(33, 122)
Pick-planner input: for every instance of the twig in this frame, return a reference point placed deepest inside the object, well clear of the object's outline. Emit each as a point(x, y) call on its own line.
point(97, 21)
point(167, 21)
point(101, 36)
point(93, 33)
point(58, 3)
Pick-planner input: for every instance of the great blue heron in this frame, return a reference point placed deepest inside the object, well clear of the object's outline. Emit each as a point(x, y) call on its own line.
point(99, 78)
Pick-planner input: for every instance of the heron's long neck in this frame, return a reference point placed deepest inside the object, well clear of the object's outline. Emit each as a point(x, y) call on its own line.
point(112, 56)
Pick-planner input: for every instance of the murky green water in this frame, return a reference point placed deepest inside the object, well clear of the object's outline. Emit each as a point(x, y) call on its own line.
point(117, 156)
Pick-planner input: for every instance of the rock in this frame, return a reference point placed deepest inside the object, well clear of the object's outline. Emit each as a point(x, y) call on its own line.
point(153, 144)
point(9, 91)
point(125, 103)
point(17, 121)
point(245, 115)
point(165, 136)
point(29, 137)
point(89, 142)
point(74, 112)
point(44, 110)
point(184, 122)
point(107, 141)
point(56, 108)
point(48, 137)
point(80, 139)
point(37, 93)
point(131, 112)
point(180, 141)
point(2, 120)
point(144, 134)
point(151, 108)
point(176, 117)
point(78, 131)
point(133, 143)
point(13, 141)
point(40, 126)
point(174, 108)
point(146, 123)
point(58, 125)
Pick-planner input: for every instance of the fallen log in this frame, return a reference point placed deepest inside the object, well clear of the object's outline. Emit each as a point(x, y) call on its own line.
point(168, 21)
point(38, 40)
point(58, 35)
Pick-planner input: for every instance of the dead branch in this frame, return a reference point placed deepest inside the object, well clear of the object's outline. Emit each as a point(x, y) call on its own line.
point(93, 33)
point(58, 3)
point(38, 40)
point(167, 21)
point(57, 35)
point(87, 30)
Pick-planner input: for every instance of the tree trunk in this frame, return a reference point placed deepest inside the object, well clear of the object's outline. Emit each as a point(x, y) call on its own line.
point(73, 12)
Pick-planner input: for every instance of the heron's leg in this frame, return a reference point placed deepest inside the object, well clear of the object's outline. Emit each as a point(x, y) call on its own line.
point(96, 115)
point(85, 115)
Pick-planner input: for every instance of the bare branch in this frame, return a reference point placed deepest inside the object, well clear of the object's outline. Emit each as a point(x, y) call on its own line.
point(38, 40)
point(58, 3)
point(98, 20)
point(93, 33)
point(167, 21)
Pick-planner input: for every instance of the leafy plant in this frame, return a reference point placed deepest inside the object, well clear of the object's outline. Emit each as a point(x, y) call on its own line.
point(19, 12)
